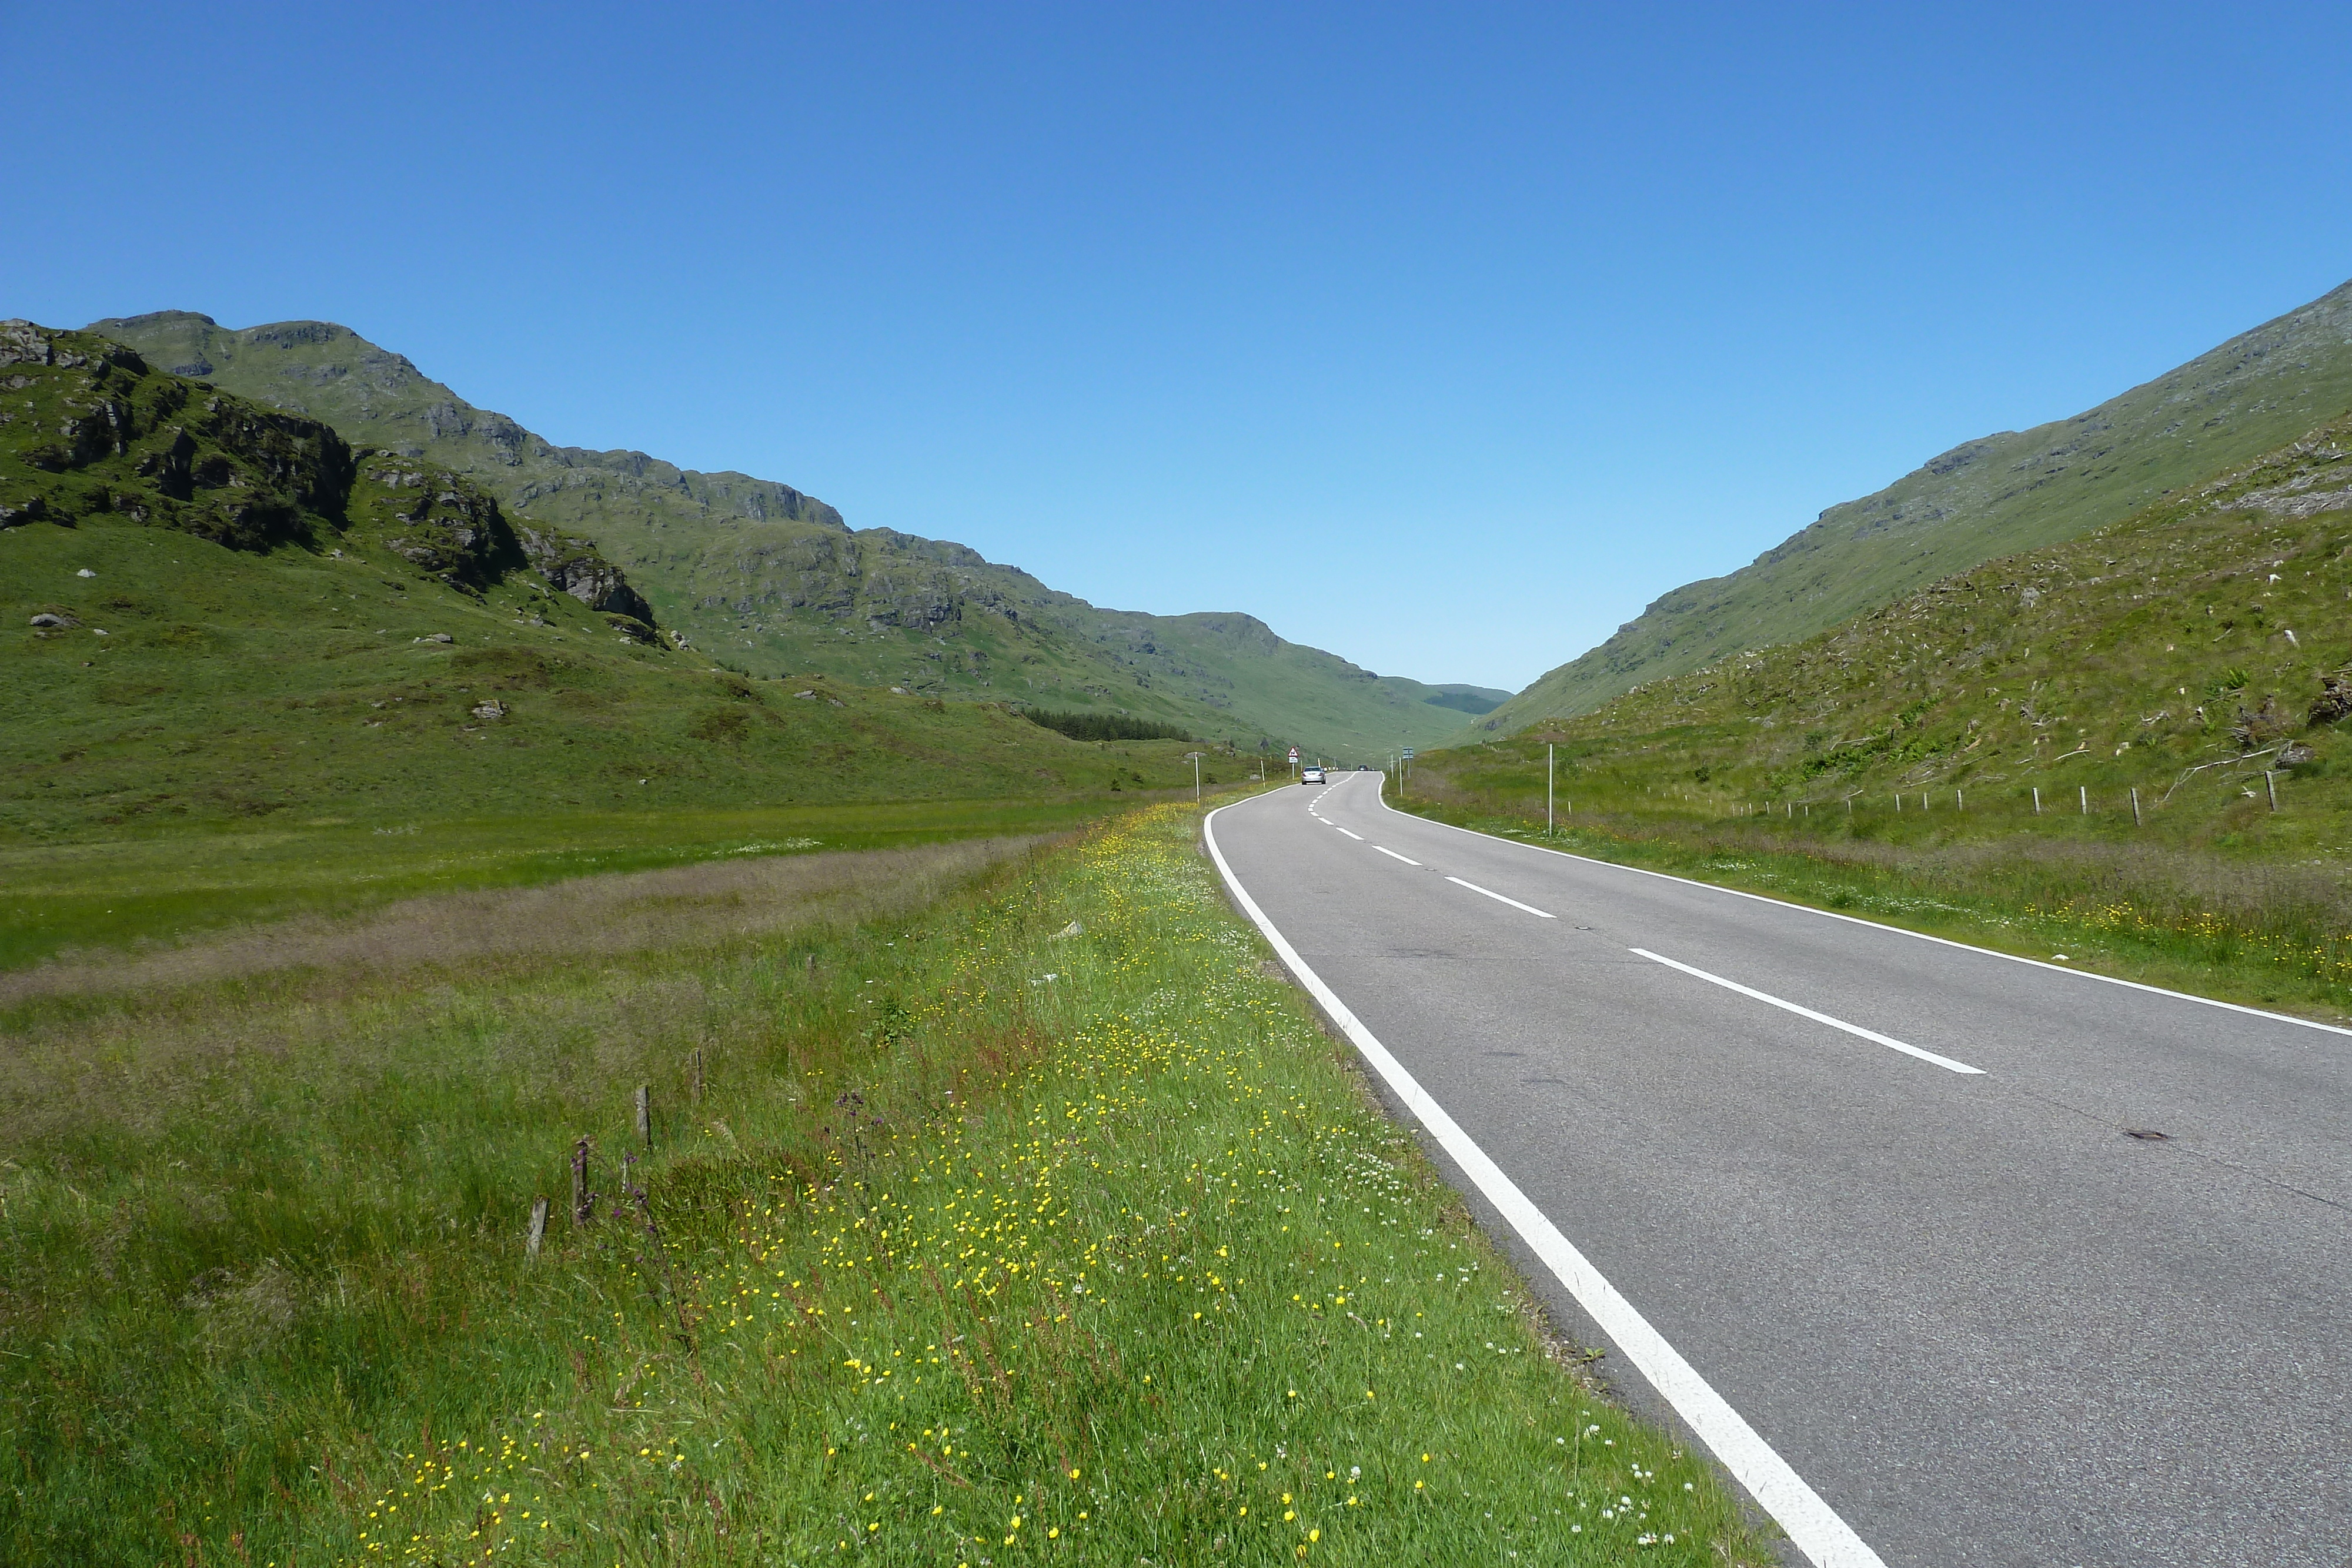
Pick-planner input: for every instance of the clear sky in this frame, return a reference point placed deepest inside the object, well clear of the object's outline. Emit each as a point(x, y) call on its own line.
point(1444, 337)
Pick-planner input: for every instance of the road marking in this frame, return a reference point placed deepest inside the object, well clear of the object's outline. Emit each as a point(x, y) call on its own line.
point(1393, 855)
point(1812, 1526)
point(1946, 1062)
point(1357, 837)
point(1876, 925)
point(1498, 898)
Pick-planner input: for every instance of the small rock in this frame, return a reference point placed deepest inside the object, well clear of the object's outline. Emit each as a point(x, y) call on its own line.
point(85, 571)
point(805, 697)
point(60, 621)
point(898, 691)
point(1072, 929)
point(2294, 754)
point(493, 709)
point(99, 630)
point(436, 637)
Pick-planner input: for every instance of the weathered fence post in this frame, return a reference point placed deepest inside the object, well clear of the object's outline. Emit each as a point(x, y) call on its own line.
point(2085, 789)
point(583, 1202)
point(2135, 805)
point(2037, 799)
point(698, 1075)
point(2269, 783)
point(537, 1226)
point(645, 1115)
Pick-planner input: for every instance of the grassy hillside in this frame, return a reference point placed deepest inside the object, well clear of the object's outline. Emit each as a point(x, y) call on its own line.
point(2198, 652)
point(218, 613)
point(1980, 502)
point(771, 582)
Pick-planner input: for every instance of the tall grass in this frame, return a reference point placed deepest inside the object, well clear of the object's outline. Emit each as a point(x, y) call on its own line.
point(1036, 1222)
point(2211, 918)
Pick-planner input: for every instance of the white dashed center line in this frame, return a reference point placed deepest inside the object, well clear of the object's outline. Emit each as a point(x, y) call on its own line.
point(1357, 837)
point(1946, 1062)
point(1498, 898)
point(1393, 855)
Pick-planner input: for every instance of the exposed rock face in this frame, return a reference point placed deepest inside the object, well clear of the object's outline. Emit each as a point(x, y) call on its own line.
point(573, 565)
point(440, 523)
point(112, 434)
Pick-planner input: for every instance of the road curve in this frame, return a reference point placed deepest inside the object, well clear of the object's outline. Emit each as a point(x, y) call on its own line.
point(1889, 1203)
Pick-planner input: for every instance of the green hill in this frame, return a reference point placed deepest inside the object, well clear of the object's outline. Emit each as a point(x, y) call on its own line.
point(222, 611)
point(1989, 498)
point(2185, 652)
point(773, 582)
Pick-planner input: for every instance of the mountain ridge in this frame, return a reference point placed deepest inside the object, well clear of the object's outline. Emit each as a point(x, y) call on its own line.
point(775, 582)
point(1985, 498)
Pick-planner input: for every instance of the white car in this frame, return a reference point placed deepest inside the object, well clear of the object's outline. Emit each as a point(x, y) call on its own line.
point(1311, 775)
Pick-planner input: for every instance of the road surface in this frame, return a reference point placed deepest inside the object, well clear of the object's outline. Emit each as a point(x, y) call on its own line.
point(1876, 1216)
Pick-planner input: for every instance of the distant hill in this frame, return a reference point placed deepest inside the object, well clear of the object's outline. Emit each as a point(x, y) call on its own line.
point(1989, 498)
point(212, 610)
point(772, 581)
point(2183, 652)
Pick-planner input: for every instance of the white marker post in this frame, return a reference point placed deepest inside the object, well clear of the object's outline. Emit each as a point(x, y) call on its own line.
point(1547, 830)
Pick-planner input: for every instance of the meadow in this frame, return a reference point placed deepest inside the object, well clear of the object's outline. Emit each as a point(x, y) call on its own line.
point(994, 1202)
point(141, 891)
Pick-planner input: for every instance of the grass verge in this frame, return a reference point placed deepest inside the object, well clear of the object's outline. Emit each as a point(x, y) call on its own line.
point(1036, 1221)
point(2261, 934)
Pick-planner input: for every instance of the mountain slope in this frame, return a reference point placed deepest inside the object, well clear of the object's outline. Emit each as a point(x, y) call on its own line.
point(774, 583)
point(2184, 651)
point(216, 611)
point(1987, 498)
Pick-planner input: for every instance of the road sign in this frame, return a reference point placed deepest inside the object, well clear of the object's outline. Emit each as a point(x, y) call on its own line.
point(1294, 754)
point(1408, 754)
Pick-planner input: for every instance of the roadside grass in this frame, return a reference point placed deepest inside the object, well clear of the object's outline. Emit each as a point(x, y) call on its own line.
point(141, 890)
point(1029, 1219)
point(2269, 933)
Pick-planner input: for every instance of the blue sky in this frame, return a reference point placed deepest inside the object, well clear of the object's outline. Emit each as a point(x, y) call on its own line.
point(1443, 338)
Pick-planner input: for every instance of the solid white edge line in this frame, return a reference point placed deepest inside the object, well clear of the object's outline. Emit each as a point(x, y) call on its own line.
point(1876, 925)
point(1357, 837)
point(1812, 1526)
point(1498, 898)
point(1386, 850)
point(1946, 1062)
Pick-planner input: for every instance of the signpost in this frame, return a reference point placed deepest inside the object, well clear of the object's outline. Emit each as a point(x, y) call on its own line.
point(1402, 771)
point(1294, 762)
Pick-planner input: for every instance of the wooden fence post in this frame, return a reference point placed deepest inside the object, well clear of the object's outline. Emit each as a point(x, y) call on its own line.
point(698, 1075)
point(583, 1202)
point(2269, 783)
point(2037, 799)
point(537, 1226)
point(645, 1115)
point(2135, 805)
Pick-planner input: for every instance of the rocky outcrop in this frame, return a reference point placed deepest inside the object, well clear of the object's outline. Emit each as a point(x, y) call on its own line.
point(573, 565)
point(91, 428)
point(438, 522)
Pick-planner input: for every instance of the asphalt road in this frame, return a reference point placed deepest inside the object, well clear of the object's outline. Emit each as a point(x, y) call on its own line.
point(1979, 1320)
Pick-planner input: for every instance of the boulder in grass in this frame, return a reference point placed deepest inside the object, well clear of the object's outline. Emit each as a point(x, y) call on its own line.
point(48, 621)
